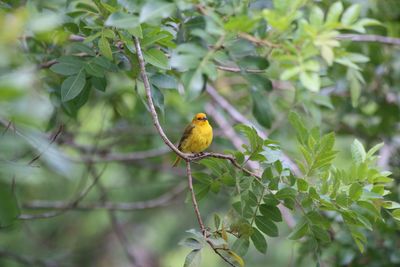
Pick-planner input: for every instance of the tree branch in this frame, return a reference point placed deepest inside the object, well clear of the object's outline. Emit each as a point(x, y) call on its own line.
point(369, 38)
point(161, 201)
point(28, 261)
point(70, 205)
point(237, 116)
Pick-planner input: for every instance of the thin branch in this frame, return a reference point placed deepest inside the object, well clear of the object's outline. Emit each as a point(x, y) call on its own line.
point(187, 158)
point(237, 142)
point(369, 38)
point(161, 201)
point(156, 123)
point(122, 238)
point(198, 215)
point(134, 156)
point(194, 201)
point(29, 261)
point(53, 139)
point(236, 69)
point(149, 98)
point(70, 205)
point(237, 116)
point(258, 41)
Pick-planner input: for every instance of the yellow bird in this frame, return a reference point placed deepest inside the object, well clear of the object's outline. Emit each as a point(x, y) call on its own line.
point(197, 136)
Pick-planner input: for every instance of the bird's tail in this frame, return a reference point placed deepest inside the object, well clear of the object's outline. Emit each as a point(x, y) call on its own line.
point(176, 162)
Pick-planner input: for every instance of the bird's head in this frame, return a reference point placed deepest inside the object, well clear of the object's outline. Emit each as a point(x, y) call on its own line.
point(200, 119)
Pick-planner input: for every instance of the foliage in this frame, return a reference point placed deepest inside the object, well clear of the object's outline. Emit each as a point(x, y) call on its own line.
point(72, 99)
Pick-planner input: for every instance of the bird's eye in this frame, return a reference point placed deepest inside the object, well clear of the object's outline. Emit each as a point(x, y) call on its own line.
point(199, 119)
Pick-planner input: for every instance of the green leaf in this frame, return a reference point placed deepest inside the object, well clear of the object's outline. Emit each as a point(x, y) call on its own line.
point(201, 190)
point(358, 152)
point(334, 12)
point(9, 210)
point(105, 48)
point(321, 234)
point(289, 73)
point(351, 15)
point(72, 86)
point(156, 9)
point(217, 221)
point(374, 149)
point(262, 110)
point(266, 226)
point(310, 80)
point(391, 205)
point(136, 31)
point(258, 82)
point(94, 70)
point(99, 83)
point(193, 81)
point(259, 241)
point(122, 20)
point(156, 58)
point(302, 185)
point(191, 243)
point(164, 81)
point(285, 193)
point(241, 245)
point(67, 65)
point(253, 62)
point(355, 191)
point(298, 125)
point(316, 16)
point(193, 259)
point(396, 214)
point(271, 212)
point(299, 230)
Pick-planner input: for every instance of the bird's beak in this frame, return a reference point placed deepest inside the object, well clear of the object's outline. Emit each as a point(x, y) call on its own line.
point(205, 118)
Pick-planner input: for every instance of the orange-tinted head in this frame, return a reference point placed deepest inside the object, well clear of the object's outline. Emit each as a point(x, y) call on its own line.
point(200, 118)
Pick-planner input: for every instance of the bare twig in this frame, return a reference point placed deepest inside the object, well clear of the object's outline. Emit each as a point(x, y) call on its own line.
point(198, 215)
point(194, 201)
point(119, 232)
point(369, 38)
point(28, 261)
point(134, 156)
point(237, 142)
point(257, 41)
point(237, 116)
point(236, 69)
point(161, 201)
point(71, 204)
point(53, 139)
point(187, 158)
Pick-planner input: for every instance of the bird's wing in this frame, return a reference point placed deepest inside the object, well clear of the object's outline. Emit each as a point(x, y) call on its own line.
point(186, 134)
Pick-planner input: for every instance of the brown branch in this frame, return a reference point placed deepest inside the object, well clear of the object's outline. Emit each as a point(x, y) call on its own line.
point(194, 201)
point(237, 116)
point(156, 123)
point(369, 38)
point(237, 142)
point(236, 69)
point(161, 201)
point(28, 261)
point(258, 41)
point(53, 139)
point(198, 215)
point(139, 155)
point(70, 205)
point(122, 238)
point(149, 98)
point(187, 158)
